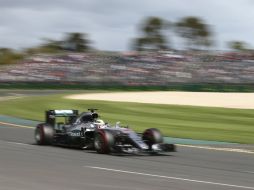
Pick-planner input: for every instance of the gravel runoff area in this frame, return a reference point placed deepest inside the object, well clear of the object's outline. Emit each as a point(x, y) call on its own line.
point(209, 99)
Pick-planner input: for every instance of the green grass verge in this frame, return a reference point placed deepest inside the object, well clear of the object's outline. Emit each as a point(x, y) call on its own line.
point(204, 123)
point(202, 87)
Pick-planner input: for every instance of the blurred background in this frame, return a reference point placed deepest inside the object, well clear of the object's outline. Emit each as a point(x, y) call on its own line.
point(127, 43)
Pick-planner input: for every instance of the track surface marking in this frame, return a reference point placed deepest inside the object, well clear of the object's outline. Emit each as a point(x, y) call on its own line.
point(170, 177)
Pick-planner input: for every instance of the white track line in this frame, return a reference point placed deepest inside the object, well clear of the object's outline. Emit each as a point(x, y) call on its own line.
point(16, 143)
point(250, 172)
point(169, 177)
point(218, 149)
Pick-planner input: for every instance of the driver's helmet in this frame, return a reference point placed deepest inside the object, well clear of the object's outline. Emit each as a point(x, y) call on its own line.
point(99, 123)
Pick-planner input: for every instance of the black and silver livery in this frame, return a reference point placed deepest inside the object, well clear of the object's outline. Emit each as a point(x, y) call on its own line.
point(70, 129)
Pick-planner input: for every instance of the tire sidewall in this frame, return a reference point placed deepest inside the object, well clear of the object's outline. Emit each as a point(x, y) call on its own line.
point(106, 143)
point(44, 134)
point(152, 136)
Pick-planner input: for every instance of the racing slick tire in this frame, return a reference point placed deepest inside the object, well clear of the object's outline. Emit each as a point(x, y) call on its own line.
point(152, 136)
point(44, 134)
point(103, 141)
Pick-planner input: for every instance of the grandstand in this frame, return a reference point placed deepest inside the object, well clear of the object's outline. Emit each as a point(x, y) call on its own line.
point(146, 69)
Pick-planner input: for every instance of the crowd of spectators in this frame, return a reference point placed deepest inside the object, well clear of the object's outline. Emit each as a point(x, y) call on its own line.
point(132, 68)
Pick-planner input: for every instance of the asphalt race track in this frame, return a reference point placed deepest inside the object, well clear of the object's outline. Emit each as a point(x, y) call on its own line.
point(25, 166)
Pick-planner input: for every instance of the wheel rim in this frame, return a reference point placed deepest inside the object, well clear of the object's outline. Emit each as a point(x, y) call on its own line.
point(98, 142)
point(37, 136)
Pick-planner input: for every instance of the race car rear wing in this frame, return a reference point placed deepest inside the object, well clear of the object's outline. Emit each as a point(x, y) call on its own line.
point(50, 115)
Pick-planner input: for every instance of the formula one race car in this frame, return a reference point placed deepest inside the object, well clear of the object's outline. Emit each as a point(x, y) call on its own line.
point(69, 129)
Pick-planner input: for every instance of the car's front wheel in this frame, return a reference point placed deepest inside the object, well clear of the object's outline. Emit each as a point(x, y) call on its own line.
point(152, 136)
point(103, 141)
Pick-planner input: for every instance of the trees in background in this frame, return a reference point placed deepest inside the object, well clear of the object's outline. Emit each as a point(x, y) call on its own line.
point(48, 46)
point(196, 34)
point(76, 42)
point(8, 56)
point(238, 45)
point(152, 35)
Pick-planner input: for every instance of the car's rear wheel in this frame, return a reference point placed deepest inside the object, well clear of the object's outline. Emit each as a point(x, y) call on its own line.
point(103, 141)
point(152, 136)
point(44, 134)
